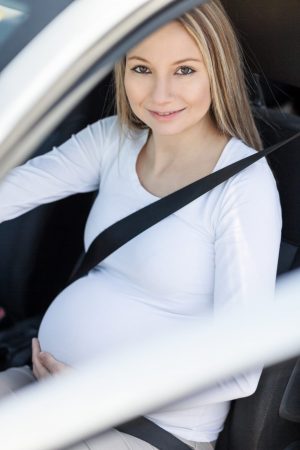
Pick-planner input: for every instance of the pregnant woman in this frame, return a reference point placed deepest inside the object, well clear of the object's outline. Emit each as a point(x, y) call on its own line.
point(182, 113)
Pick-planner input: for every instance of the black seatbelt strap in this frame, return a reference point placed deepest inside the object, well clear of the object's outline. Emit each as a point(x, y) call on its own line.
point(118, 234)
point(148, 431)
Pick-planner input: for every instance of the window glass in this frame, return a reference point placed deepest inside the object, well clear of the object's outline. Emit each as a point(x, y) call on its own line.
point(10, 18)
point(21, 21)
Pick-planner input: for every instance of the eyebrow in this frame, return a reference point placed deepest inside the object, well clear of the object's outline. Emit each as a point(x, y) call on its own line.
point(176, 62)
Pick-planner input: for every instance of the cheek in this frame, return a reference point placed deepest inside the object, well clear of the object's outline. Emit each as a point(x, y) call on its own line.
point(133, 90)
point(199, 93)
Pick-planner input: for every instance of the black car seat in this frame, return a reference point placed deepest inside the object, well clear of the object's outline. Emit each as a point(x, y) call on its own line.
point(259, 422)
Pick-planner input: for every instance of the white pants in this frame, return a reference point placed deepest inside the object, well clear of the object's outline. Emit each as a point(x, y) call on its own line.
point(13, 379)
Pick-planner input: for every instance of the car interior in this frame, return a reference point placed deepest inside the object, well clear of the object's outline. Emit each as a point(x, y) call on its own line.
point(40, 249)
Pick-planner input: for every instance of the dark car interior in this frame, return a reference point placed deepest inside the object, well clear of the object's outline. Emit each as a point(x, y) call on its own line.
point(40, 249)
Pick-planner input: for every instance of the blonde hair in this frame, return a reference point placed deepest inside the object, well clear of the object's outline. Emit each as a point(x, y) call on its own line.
point(211, 28)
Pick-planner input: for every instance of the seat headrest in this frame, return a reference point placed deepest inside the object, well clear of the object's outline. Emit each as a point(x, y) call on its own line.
point(269, 31)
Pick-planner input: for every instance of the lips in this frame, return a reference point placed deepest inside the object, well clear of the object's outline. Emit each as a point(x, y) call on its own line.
point(166, 113)
point(166, 116)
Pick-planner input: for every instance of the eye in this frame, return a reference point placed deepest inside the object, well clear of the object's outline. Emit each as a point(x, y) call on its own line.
point(186, 70)
point(140, 69)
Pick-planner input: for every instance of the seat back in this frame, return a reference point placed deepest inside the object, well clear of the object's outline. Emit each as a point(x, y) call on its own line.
point(254, 422)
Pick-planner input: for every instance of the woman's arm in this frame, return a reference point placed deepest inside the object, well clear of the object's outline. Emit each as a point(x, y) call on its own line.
point(248, 234)
point(73, 167)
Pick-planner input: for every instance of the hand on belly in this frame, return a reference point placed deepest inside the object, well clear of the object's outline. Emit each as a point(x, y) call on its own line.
point(43, 363)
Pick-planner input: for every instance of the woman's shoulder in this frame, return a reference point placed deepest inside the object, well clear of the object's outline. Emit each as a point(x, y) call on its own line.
point(256, 183)
point(235, 150)
point(252, 192)
point(111, 130)
point(106, 128)
point(259, 171)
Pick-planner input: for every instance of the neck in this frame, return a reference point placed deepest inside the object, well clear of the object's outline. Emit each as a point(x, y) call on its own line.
point(163, 151)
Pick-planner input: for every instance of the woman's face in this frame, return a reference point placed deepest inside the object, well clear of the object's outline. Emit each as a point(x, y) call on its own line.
point(166, 73)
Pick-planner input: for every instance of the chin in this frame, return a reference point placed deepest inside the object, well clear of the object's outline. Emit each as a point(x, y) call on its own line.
point(170, 129)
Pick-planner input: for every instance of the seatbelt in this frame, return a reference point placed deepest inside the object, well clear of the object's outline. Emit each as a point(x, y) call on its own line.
point(118, 234)
point(148, 431)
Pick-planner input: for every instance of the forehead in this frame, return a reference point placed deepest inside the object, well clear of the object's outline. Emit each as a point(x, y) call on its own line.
point(170, 42)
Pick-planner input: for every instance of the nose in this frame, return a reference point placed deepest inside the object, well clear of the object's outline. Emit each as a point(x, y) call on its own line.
point(162, 90)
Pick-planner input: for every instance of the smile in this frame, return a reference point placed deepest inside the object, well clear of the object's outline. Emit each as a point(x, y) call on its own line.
point(166, 115)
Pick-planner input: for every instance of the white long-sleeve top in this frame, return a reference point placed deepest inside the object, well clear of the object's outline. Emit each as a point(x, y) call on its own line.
point(216, 254)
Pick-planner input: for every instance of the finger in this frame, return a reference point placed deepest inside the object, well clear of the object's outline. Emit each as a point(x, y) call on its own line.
point(39, 370)
point(36, 344)
point(50, 363)
point(36, 349)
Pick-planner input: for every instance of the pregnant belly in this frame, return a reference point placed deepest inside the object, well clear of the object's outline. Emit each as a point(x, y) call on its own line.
point(94, 316)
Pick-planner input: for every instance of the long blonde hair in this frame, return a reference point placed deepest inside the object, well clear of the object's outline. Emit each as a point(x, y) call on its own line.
point(211, 28)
